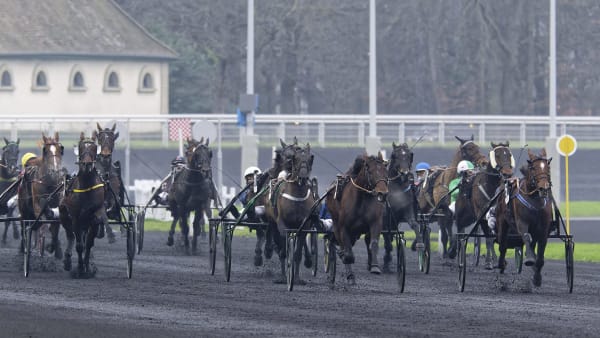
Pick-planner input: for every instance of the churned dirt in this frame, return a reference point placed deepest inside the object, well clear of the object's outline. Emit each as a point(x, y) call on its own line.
point(174, 295)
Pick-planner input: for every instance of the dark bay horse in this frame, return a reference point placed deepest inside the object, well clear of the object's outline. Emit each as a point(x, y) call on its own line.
point(111, 174)
point(474, 198)
point(356, 205)
point(527, 214)
point(39, 192)
point(192, 190)
point(82, 210)
point(434, 193)
point(9, 171)
point(290, 202)
point(282, 161)
point(401, 201)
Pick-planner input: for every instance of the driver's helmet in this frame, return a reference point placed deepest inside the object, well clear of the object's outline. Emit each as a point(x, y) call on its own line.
point(463, 166)
point(26, 157)
point(178, 160)
point(251, 170)
point(421, 166)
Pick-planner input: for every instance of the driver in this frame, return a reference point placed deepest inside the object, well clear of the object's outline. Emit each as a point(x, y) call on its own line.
point(464, 170)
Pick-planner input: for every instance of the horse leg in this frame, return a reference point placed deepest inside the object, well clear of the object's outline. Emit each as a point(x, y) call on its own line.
point(196, 225)
point(6, 225)
point(446, 227)
point(79, 245)
point(350, 278)
point(68, 251)
point(185, 231)
point(260, 240)
point(298, 257)
point(54, 230)
point(175, 214)
point(110, 234)
point(307, 254)
point(529, 252)
point(387, 257)
point(369, 257)
point(539, 262)
point(417, 244)
point(269, 243)
point(374, 250)
point(280, 243)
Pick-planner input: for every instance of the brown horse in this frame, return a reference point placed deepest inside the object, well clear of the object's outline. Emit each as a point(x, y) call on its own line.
point(356, 205)
point(290, 201)
point(9, 171)
point(524, 214)
point(433, 197)
point(39, 190)
point(82, 210)
point(111, 174)
point(192, 190)
point(475, 196)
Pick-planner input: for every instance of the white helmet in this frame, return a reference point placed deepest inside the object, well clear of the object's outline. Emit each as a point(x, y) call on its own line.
point(464, 165)
point(251, 170)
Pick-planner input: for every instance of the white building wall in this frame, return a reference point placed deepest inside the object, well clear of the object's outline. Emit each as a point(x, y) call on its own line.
point(59, 100)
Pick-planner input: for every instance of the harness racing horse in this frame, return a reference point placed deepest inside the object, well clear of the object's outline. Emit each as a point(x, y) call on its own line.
point(290, 202)
point(527, 213)
point(401, 202)
point(282, 161)
point(82, 210)
point(478, 191)
point(434, 197)
point(192, 190)
point(39, 189)
point(356, 205)
point(9, 171)
point(111, 174)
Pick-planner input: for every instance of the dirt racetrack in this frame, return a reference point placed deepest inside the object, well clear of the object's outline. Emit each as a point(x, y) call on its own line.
point(173, 295)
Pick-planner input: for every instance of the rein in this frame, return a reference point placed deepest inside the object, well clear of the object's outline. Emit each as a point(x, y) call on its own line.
point(99, 185)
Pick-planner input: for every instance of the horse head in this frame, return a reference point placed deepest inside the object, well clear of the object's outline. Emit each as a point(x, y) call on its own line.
point(52, 152)
point(10, 157)
point(199, 156)
point(470, 151)
point(501, 159)
point(302, 162)
point(400, 161)
point(106, 141)
point(369, 174)
point(87, 150)
point(537, 174)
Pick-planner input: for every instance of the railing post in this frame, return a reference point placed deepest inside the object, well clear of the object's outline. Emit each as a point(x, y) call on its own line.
point(361, 134)
point(522, 134)
point(322, 134)
point(481, 133)
point(165, 133)
point(401, 132)
point(442, 133)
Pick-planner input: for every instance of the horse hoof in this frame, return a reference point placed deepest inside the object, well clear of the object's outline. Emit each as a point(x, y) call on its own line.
point(268, 252)
point(170, 241)
point(58, 254)
point(280, 281)
point(537, 280)
point(307, 262)
point(386, 268)
point(100, 233)
point(488, 266)
point(111, 238)
point(529, 262)
point(67, 263)
point(351, 280)
point(300, 282)
point(375, 270)
point(258, 261)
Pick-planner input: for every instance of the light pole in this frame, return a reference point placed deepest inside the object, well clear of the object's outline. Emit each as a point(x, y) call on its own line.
point(373, 143)
point(552, 135)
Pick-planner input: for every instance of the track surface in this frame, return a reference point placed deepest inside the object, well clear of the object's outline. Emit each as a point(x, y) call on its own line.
point(174, 295)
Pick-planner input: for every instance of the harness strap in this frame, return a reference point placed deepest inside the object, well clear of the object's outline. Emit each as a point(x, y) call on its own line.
point(483, 191)
point(296, 199)
point(99, 185)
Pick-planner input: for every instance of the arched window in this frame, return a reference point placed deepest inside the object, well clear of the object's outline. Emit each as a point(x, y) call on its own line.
point(40, 80)
point(146, 82)
point(5, 80)
point(111, 80)
point(77, 82)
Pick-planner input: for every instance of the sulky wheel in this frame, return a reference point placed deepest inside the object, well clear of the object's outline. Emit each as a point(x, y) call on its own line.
point(290, 268)
point(27, 249)
point(130, 250)
point(400, 263)
point(519, 258)
point(569, 248)
point(227, 238)
point(212, 242)
point(314, 251)
point(425, 254)
point(139, 227)
point(462, 263)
